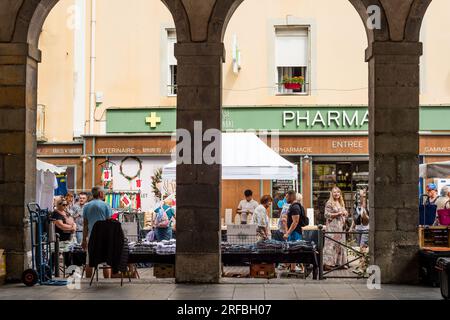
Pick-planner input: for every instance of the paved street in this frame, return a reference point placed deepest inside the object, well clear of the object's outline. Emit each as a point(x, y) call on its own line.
point(230, 289)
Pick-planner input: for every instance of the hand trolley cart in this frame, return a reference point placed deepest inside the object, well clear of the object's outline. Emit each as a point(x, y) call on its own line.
point(42, 236)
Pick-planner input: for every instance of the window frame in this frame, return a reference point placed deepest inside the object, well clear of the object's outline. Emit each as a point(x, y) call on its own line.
point(308, 74)
point(170, 87)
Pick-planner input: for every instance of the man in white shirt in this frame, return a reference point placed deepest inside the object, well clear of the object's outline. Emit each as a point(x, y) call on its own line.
point(247, 206)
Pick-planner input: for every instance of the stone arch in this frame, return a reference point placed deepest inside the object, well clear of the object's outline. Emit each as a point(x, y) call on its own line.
point(400, 19)
point(415, 18)
point(37, 21)
point(223, 11)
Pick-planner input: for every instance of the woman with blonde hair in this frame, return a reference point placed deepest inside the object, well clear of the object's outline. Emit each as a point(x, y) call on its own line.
point(335, 254)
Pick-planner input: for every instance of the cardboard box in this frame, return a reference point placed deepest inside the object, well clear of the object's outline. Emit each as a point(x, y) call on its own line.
point(2, 266)
point(265, 271)
point(164, 271)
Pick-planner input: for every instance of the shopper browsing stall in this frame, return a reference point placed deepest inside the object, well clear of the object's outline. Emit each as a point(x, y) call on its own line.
point(165, 216)
point(247, 206)
point(360, 224)
point(432, 193)
point(93, 211)
point(295, 217)
point(261, 219)
point(335, 213)
point(78, 215)
point(444, 198)
point(65, 226)
point(282, 222)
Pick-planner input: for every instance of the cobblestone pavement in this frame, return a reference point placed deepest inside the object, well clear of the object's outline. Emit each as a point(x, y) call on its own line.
point(230, 289)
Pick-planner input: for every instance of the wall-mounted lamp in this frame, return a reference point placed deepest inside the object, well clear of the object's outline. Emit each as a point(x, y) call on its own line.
point(85, 159)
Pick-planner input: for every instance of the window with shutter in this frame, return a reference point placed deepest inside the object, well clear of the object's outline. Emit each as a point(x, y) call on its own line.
point(172, 62)
point(292, 58)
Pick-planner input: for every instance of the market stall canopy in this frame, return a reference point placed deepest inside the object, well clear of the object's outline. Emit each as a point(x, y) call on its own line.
point(435, 170)
point(246, 157)
point(44, 166)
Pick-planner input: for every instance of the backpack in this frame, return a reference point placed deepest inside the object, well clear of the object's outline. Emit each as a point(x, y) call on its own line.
point(304, 220)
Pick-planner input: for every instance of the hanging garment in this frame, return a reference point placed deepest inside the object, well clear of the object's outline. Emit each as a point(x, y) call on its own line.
point(62, 185)
point(49, 184)
point(138, 201)
point(106, 244)
point(39, 184)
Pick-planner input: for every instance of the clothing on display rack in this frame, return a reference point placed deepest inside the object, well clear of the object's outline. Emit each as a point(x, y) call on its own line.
point(299, 246)
point(166, 247)
point(271, 246)
point(125, 199)
point(143, 247)
point(107, 177)
point(62, 185)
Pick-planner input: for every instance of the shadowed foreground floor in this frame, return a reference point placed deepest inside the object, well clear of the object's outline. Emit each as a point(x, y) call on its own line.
point(230, 289)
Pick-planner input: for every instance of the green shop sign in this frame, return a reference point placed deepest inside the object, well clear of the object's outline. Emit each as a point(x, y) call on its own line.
point(284, 119)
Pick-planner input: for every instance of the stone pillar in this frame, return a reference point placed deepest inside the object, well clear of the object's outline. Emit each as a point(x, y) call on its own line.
point(18, 90)
point(198, 185)
point(394, 164)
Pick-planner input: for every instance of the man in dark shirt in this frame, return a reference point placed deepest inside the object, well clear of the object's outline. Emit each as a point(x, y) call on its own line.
point(294, 216)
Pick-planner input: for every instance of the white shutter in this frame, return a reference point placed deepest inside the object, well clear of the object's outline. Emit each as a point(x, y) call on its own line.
point(171, 40)
point(292, 47)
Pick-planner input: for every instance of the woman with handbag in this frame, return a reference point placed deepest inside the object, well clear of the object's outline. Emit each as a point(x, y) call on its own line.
point(334, 254)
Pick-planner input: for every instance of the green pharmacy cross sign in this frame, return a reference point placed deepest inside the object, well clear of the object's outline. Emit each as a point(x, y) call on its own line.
point(153, 120)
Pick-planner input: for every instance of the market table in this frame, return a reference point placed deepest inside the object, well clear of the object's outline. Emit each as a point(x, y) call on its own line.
point(304, 257)
point(241, 258)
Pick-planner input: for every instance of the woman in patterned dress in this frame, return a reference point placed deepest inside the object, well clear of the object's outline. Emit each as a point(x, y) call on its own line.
point(335, 254)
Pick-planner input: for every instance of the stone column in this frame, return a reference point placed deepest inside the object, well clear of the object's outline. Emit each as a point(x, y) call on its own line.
point(18, 90)
point(394, 164)
point(198, 185)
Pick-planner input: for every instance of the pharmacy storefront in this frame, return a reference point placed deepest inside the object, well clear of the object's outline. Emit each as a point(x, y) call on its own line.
point(328, 143)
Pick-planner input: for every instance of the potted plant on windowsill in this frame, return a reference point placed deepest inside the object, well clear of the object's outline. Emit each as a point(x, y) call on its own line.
point(293, 83)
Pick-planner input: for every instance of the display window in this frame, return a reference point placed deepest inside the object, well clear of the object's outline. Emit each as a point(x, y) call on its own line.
point(348, 176)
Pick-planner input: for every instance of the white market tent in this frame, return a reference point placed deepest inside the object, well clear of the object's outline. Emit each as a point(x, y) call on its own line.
point(246, 157)
point(44, 166)
point(46, 183)
point(435, 170)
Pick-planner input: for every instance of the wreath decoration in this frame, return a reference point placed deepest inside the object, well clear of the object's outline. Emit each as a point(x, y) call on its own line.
point(156, 179)
point(138, 173)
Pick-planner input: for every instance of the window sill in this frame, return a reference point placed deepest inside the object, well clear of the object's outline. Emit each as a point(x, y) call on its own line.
point(304, 94)
point(171, 95)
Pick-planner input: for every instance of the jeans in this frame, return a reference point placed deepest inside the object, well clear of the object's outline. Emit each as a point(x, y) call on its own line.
point(163, 234)
point(79, 236)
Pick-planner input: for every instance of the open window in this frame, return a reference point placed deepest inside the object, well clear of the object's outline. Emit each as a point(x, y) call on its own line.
point(292, 59)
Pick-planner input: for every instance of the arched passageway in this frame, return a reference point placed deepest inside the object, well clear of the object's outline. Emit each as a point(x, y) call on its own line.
point(393, 57)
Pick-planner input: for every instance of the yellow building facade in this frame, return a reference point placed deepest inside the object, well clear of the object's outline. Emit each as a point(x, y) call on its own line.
point(106, 69)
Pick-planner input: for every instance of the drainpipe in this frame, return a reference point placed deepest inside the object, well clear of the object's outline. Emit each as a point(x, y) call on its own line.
point(92, 98)
point(79, 97)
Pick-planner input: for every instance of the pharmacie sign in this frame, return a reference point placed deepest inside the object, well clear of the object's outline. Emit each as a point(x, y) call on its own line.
point(327, 119)
point(281, 118)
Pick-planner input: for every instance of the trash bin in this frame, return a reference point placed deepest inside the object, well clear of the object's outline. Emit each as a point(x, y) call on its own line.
point(428, 258)
point(443, 265)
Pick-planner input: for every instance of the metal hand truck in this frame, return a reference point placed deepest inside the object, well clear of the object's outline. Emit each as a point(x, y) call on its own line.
point(41, 239)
